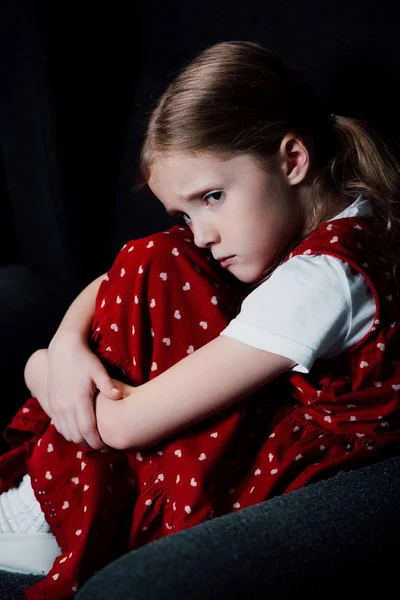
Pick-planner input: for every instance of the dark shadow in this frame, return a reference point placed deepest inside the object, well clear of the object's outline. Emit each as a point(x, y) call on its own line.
point(365, 88)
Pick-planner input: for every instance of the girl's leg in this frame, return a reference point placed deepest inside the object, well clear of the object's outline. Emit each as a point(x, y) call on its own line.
point(162, 299)
point(26, 543)
point(20, 512)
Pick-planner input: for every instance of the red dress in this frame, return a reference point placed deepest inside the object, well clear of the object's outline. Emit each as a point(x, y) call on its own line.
point(162, 299)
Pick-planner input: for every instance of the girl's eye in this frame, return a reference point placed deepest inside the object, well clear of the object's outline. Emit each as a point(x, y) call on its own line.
point(215, 196)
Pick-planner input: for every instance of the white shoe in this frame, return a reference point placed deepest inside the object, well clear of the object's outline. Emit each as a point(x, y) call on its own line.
point(32, 553)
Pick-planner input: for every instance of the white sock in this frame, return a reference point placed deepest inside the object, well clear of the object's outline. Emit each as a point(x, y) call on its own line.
point(20, 512)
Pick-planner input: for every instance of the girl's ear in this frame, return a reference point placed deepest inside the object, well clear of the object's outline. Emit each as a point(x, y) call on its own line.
point(295, 159)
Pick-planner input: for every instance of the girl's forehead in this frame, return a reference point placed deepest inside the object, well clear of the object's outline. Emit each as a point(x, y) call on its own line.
point(185, 158)
point(199, 164)
point(179, 167)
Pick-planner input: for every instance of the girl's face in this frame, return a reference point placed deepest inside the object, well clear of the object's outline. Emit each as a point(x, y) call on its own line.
point(233, 207)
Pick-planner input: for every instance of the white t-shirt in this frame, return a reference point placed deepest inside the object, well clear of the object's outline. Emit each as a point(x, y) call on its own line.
point(312, 306)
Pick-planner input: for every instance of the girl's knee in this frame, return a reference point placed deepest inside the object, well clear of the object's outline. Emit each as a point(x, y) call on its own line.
point(172, 247)
point(140, 262)
point(170, 256)
point(165, 242)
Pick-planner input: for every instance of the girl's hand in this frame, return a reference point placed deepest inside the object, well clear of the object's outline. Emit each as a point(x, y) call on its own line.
point(74, 374)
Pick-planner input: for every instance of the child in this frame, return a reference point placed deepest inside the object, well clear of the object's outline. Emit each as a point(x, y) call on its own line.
point(243, 377)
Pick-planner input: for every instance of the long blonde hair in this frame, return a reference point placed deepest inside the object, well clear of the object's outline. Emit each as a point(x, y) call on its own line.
point(239, 98)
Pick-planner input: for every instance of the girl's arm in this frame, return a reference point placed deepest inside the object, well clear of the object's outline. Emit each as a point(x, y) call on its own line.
point(212, 378)
point(35, 375)
point(74, 373)
point(78, 318)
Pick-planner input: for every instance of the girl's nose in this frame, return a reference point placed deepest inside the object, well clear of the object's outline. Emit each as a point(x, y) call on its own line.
point(204, 235)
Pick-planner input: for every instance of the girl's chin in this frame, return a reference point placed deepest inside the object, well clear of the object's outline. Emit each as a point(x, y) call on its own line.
point(246, 275)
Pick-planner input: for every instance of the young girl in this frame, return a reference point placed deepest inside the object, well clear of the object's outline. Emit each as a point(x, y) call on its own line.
point(255, 347)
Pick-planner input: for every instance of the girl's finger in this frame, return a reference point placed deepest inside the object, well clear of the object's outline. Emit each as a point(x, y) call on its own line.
point(74, 426)
point(54, 420)
point(107, 386)
point(64, 429)
point(88, 426)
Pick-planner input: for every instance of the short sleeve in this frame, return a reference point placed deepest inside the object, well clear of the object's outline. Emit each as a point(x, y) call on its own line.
point(303, 311)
